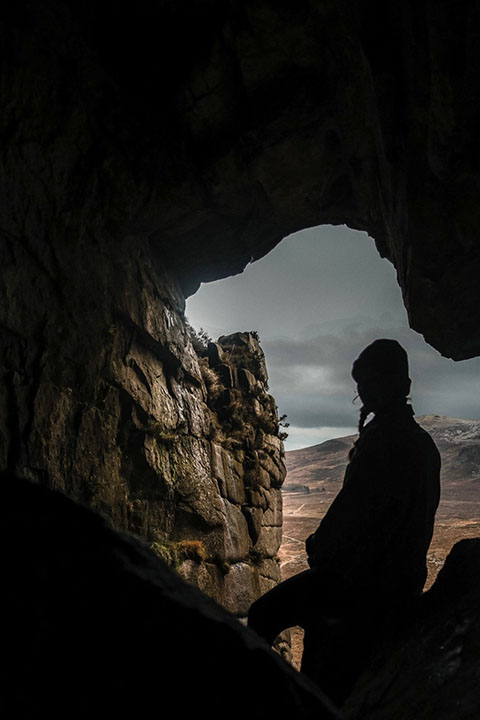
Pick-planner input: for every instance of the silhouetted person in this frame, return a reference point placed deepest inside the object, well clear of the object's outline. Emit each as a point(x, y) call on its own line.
point(368, 555)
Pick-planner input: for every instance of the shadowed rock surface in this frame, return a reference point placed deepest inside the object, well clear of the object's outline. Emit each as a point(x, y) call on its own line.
point(430, 669)
point(94, 624)
point(214, 129)
point(417, 661)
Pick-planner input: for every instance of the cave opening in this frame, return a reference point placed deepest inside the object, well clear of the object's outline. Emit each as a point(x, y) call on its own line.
point(316, 300)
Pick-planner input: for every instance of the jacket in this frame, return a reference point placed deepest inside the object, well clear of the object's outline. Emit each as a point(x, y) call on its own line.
point(373, 541)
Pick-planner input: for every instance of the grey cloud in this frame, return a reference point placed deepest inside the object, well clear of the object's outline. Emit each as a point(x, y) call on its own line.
point(318, 411)
point(311, 379)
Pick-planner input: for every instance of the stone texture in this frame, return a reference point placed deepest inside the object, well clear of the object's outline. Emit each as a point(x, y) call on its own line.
point(247, 380)
point(122, 418)
point(268, 541)
point(241, 588)
point(102, 392)
point(215, 354)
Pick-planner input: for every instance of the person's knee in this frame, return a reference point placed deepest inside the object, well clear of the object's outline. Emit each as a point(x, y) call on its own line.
point(256, 614)
point(285, 605)
point(262, 618)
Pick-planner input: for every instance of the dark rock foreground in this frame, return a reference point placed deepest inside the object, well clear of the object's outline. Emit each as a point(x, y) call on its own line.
point(431, 668)
point(95, 625)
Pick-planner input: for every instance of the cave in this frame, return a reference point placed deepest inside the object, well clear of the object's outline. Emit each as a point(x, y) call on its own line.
point(147, 148)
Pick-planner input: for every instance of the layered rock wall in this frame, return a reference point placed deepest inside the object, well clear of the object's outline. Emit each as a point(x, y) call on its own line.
point(105, 398)
point(225, 541)
point(102, 394)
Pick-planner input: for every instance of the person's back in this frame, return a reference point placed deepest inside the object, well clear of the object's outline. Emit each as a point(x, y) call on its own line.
point(375, 536)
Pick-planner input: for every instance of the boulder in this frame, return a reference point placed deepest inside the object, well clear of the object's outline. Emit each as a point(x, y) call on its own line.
point(95, 625)
point(418, 661)
point(428, 665)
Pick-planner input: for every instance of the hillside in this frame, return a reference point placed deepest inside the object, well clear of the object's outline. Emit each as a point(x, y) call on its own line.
point(320, 468)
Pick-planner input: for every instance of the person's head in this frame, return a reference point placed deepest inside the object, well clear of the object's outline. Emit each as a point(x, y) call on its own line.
point(381, 374)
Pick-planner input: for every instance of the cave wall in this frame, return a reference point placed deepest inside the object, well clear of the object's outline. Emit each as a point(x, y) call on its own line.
point(147, 148)
point(103, 394)
point(250, 120)
point(105, 397)
point(227, 125)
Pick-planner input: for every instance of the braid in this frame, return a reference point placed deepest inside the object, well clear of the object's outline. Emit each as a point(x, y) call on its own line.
point(364, 413)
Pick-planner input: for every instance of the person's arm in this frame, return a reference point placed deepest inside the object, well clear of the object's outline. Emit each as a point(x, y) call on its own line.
point(360, 518)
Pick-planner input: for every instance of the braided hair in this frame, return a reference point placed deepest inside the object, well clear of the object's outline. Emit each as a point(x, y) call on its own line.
point(364, 413)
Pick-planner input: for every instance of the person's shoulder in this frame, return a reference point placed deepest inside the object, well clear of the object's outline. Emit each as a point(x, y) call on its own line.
point(424, 438)
point(395, 439)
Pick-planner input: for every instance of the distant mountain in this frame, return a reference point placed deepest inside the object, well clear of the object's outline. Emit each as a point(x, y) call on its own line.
point(320, 468)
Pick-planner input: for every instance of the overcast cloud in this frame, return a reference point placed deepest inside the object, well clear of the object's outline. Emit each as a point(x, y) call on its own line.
point(317, 300)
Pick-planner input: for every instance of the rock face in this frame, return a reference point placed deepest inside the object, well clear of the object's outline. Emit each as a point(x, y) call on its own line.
point(103, 394)
point(228, 512)
point(126, 416)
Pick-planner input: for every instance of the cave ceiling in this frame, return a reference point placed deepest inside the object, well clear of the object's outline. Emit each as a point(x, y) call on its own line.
point(221, 127)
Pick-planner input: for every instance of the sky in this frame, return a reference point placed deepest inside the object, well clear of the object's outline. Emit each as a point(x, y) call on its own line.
point(317, 300)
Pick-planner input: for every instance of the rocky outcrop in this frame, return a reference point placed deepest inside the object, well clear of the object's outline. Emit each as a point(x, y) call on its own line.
point(232, 557)
point(124, 415)
point(103, 395)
